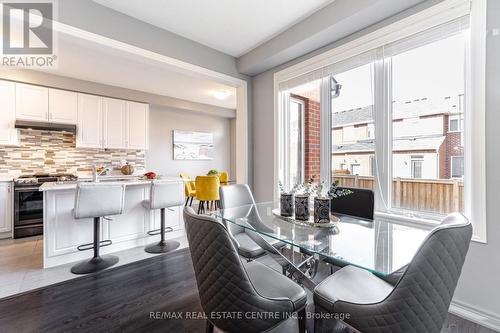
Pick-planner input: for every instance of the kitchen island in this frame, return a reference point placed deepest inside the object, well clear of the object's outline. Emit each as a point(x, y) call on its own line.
point(62, 233)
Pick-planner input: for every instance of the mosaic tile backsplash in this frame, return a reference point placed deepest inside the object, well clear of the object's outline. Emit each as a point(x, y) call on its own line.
point(56, 152)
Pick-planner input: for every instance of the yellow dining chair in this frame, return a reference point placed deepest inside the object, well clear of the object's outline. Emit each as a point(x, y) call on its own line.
point(207, 191)
point(224, 178)
point(189, 188)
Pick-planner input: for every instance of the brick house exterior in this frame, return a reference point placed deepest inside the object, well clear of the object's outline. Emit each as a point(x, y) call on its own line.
point(311, 134)
point(437, 148)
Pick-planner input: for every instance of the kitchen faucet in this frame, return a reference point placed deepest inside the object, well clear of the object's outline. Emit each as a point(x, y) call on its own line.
point(95, 174)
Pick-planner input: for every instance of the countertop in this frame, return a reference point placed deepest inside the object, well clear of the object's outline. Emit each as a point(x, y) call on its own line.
point(127, 181)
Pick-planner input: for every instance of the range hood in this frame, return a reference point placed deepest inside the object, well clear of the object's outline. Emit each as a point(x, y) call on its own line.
point(45, 126)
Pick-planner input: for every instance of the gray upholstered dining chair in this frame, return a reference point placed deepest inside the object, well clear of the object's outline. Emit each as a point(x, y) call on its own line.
point(226, 285)
point(240, 195)
point(360, 203)
point(416, 299)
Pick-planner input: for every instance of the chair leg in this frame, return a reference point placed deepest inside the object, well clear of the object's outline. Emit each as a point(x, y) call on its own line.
point(187, 200)
point(302, 320)
point(210, 327)
point(191, 202)
point(97, 263)
point(200, 205)
point(163, 246)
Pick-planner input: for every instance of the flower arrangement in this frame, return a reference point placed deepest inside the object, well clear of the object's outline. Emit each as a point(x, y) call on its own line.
point(335, 192)
point(297, 188)
point(213, 172)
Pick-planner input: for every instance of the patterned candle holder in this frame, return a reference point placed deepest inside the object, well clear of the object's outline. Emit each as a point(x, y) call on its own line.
point(286, 204)
point(302, 207)
point(322, 210)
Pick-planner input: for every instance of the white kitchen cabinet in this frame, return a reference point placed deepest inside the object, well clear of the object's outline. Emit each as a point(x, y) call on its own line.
point(32, 102)
point(89, 125)
point(63, 106)
point(137, 125)
point(8, 134)
point(114, 115)
point(6, 196)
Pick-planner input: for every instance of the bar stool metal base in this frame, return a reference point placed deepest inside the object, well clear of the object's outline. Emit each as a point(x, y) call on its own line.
point(94, 265)
point(162, 247)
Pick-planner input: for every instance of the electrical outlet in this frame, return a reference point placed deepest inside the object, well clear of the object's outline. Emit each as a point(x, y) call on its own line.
point(495, 32)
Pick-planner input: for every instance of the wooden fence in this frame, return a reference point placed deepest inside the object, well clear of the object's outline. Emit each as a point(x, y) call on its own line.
point(441, 196)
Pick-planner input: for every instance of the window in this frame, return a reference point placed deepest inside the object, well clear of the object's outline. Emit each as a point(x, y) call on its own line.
point(417, 87)
point(355, 169)
point(301, 134)
point(416, 169)
point(455, 123)
point(370, 131)
point(296, 141)
point(457, 166)
point(372, 166)
point(422, 98)
point(352, 111)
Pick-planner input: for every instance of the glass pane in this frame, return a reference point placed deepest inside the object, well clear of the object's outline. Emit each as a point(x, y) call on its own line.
point(296, 148)
point(353, 130)
point(304, 161)
point(428, 106)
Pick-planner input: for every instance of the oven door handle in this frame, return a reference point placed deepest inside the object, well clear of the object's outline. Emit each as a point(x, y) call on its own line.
point(26, 189)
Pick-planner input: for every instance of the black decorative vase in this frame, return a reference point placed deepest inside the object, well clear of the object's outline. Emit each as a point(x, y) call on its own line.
point(286, 204)
point(321, 210)
point(302, 207)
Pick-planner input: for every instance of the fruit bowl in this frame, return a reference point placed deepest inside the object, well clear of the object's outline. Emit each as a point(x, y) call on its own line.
point(150, 176)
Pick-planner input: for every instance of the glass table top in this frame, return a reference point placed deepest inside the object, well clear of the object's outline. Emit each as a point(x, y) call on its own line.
point(377, 245)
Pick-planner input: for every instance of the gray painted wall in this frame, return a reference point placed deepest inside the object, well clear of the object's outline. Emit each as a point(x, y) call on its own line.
point(159, 157)
point(337, 20)
point(478, 286)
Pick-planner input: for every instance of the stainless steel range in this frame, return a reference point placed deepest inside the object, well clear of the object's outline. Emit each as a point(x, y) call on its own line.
point(28, 202)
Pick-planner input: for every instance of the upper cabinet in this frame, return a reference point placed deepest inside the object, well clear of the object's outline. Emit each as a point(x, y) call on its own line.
point(101, 122)
point(8, 134)
point(112, 123)
point(37, 103)
point(89, 126)
point(63, 106)
point(32, 102)
point(137, 125)
point(114, 114)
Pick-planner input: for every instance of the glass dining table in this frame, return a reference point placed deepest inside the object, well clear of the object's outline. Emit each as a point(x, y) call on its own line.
point(377, 245)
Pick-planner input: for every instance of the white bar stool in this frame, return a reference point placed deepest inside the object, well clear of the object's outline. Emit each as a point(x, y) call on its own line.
point(164, 194)
point(97, 200)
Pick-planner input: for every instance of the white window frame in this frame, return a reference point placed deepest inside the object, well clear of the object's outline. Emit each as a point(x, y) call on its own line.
point(302, 134)
point(445, 11)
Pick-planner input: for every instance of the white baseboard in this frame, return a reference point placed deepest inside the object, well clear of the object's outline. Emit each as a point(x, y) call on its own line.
point(474, 315)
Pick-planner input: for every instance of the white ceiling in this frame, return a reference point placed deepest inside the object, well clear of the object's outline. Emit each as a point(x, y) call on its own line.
point(86, 60)
point(230, 26)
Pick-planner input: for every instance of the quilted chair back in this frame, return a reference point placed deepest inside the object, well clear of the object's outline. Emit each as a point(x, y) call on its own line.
point(422, 296)
point(223, 283)
point(234, 196)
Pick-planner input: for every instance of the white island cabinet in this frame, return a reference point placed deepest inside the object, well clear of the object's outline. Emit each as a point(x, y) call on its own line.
point(63, 234)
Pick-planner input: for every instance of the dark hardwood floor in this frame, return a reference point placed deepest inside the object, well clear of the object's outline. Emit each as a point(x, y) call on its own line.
point(130, 298)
